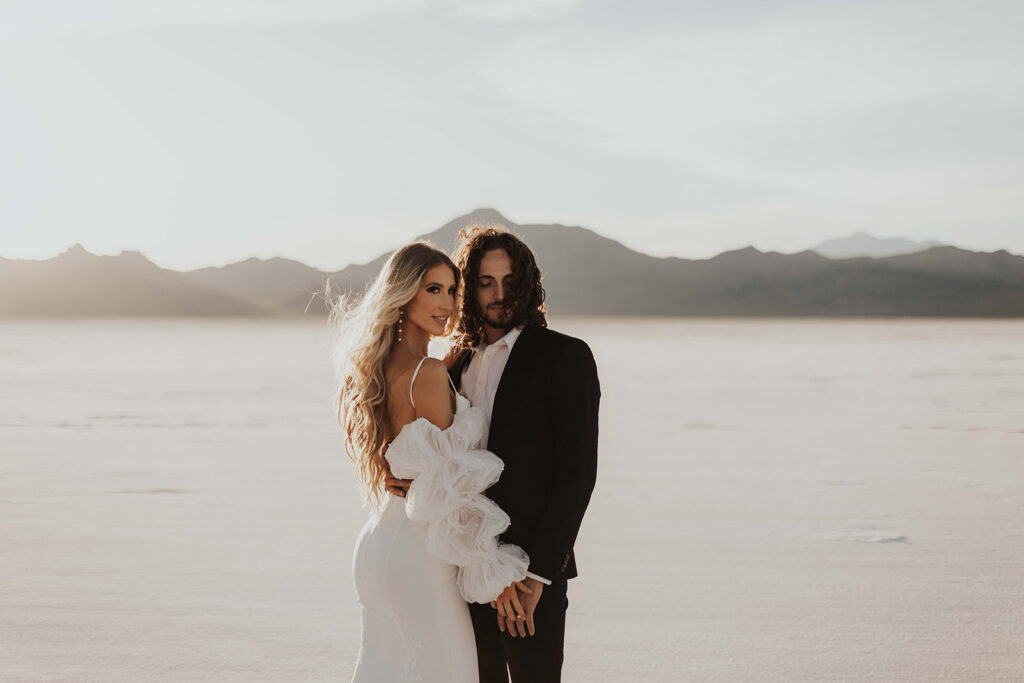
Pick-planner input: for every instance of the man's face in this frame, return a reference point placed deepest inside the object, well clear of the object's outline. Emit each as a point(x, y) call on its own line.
point(494, 279)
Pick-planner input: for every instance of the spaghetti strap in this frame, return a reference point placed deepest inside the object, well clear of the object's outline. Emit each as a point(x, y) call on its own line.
point(416, 372)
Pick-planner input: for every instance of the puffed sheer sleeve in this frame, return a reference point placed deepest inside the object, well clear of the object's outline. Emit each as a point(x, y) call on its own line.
point(449, 477)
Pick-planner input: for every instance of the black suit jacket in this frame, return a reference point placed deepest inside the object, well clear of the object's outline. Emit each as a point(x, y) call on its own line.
point(544, 427)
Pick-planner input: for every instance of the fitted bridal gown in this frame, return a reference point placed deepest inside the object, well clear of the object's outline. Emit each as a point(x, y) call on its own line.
point(421, 558)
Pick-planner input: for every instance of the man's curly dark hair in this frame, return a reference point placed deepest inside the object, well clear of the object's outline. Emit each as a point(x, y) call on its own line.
point(524, 299)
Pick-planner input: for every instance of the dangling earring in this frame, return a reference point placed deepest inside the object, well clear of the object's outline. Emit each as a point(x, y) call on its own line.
point(400, 314)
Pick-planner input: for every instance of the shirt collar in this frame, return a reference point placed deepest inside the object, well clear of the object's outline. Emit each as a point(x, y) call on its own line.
point(511, 336)
point(509, 339)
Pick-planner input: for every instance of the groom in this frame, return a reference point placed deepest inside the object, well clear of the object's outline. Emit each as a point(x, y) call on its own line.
point(540, 392)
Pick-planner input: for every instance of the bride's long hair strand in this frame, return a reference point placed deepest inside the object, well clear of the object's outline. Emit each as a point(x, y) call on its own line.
point(365, 329)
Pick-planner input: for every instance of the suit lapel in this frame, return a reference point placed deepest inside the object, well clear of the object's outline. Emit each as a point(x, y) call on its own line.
point(512, 378)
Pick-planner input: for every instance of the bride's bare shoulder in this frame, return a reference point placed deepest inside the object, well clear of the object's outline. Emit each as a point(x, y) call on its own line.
point(432, 394)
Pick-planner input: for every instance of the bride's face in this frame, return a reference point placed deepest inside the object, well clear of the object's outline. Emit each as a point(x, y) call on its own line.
point(434, 303)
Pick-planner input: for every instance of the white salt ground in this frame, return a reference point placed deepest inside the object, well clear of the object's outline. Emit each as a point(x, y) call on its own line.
point(778, 500)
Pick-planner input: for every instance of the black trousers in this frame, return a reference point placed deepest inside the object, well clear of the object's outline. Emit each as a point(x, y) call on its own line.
point(533, 659)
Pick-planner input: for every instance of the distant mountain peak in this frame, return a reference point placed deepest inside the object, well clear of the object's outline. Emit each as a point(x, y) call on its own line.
point(76, 249)
point(742, 252)
point(486, 216)
point(861, 244)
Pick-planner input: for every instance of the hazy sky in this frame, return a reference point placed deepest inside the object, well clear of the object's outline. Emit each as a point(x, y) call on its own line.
point(202, 132)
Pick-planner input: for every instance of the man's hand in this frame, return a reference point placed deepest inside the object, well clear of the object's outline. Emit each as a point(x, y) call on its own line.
point(511, 613)
point(530, 600)
point(395, 486)
point(529, 595)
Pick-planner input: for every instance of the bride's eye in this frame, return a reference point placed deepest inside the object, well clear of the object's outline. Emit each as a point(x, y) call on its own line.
point(433, 289)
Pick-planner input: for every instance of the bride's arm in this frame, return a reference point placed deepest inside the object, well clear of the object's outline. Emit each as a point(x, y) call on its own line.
point(429, 401)
point(449, 479)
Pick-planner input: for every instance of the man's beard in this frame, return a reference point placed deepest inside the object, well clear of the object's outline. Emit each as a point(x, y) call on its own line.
point(499, 317)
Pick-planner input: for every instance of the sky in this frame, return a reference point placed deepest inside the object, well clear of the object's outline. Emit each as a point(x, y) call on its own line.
point(204, 132)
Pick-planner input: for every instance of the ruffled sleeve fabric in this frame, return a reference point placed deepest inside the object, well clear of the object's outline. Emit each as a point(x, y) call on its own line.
point(449, 477)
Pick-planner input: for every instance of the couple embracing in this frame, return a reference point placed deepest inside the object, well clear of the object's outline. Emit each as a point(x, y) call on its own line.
point(455, 585)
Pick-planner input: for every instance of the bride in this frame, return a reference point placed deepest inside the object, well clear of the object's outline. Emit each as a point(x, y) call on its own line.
point(418, 559)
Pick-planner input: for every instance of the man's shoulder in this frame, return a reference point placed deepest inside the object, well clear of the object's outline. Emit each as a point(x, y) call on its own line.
point(559, 341)
point(565, 356)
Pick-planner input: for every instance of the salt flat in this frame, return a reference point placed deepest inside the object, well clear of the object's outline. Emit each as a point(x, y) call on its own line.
point(777, 500)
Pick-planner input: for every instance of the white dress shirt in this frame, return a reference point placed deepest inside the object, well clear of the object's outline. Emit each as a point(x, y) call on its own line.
point(480, 383)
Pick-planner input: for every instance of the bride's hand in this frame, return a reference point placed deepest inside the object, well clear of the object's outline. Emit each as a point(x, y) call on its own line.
point(510, 610)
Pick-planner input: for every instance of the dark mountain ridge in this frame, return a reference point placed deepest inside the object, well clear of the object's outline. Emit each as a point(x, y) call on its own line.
point(584, 273)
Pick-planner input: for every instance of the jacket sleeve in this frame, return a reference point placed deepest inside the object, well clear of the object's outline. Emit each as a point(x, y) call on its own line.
point(575, 393)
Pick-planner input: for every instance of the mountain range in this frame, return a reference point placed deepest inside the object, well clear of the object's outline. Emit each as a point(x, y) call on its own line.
point(584, 273)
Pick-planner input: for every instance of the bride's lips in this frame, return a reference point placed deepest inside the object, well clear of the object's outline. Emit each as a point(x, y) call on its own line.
point(441, 319)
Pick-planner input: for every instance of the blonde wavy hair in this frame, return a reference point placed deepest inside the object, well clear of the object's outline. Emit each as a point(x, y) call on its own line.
point(366, 328)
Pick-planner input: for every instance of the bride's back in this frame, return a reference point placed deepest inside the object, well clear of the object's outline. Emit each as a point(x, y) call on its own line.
point(426, 378)
point(398, 409)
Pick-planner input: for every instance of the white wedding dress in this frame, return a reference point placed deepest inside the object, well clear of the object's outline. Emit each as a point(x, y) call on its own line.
point(421, 558)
